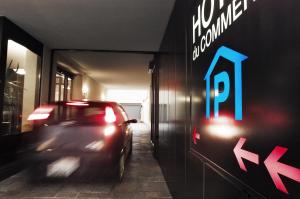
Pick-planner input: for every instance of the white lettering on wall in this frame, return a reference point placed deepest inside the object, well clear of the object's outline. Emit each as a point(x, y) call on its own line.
point(197, 25)
point(205, 31)
point(207, 22)
point(221, 3)
point(236, 4)
point(226, 21)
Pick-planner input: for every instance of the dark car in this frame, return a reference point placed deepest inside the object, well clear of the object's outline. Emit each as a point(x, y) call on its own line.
point(79, 134)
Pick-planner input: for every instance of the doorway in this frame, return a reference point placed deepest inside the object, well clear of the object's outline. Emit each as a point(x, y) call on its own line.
point(63, 85)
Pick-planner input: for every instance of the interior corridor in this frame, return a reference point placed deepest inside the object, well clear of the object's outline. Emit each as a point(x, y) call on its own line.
point(143, 179)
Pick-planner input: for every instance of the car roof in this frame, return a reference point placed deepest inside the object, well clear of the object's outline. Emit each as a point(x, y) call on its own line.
point(91, 102)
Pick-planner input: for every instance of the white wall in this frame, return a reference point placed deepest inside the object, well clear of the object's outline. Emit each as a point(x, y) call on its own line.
point(126, 96)
point(29, 89)
point(77, 88)
point(132, 96)
point(146, 113)
point(94, 89)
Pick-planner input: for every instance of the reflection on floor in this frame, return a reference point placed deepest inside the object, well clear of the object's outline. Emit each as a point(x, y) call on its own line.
point(143, 180)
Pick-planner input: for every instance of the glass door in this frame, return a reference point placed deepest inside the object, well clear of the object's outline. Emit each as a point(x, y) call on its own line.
point(63, 86)
point(59, 87)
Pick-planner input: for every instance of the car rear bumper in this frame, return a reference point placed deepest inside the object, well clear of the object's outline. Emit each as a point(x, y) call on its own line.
point(86, 158)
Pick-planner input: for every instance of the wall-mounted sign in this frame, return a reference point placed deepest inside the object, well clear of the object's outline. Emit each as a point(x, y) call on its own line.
point(246, 92)
point(223, 78)
point(241, 154)
point(275, 168)
point(272, 164)
point(205, 30)
point(196, 135)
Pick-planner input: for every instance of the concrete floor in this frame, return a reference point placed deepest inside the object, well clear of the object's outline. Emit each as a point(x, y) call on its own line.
point(143, 180)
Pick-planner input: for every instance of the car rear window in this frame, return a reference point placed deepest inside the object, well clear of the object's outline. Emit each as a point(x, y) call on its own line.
point(79, 113)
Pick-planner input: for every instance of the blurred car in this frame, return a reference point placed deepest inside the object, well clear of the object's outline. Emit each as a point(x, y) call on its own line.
point(82, 133)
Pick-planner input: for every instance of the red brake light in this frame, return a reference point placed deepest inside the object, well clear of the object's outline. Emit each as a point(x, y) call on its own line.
point(41, 113)
point(77, 104)
point(110, 116)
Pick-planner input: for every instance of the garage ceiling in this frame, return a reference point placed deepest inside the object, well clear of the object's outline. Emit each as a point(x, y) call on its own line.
point(113, 70)
point(131, 25)
point(112, 25)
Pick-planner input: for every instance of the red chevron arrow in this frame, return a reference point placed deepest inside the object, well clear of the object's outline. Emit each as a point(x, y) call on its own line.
point(275, 168)
point(196, 136)
point(240, 153)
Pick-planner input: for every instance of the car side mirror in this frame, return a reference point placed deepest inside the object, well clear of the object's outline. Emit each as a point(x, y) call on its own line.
point(131, 121)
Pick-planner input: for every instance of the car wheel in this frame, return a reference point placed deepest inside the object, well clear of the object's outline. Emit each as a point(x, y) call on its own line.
point(121, 168)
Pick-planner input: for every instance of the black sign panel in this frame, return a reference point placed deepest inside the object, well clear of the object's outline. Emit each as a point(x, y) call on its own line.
point(245, 89)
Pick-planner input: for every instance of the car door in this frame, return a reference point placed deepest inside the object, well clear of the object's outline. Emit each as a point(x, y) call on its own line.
point(126, 128)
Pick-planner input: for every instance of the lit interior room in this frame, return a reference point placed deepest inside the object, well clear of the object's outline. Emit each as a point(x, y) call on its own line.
point(22, 68)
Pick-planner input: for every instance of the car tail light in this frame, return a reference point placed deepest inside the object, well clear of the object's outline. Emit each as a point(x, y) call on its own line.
point(109, 130)
point(110, 116)
point(77, 104)
point(41, 113)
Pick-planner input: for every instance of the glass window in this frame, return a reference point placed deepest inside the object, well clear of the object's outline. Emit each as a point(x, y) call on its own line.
point(63, 87)
point(21, 88)
point(91, 114)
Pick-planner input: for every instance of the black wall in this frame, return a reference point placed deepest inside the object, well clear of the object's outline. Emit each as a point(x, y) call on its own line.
point(268, 34)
